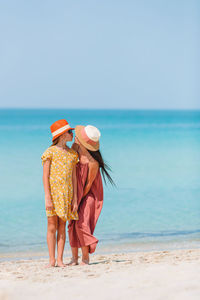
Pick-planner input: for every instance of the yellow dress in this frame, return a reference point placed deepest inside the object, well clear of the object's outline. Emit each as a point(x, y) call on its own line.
point(62, 163)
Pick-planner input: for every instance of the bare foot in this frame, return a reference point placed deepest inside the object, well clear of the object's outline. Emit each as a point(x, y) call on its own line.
point(61, 264)
point(73, 262)
point(84, 262)
point(51, 264)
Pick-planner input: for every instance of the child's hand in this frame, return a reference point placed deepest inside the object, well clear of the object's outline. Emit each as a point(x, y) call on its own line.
point(48, 203)
point(74, 206)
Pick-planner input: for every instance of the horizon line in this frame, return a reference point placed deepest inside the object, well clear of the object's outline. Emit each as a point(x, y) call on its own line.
point(117, 109)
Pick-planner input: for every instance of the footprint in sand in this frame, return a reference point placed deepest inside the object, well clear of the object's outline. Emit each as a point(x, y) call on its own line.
point(91, 275)
point(102, 257)
point(16, 273)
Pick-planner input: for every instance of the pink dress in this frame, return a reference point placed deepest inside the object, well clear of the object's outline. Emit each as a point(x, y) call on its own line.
point(89, 208)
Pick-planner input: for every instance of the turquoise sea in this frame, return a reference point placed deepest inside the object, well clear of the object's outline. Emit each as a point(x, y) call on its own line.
point(155, 161)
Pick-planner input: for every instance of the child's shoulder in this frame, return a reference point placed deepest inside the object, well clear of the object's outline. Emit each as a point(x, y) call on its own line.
point(48, 154)
point(49, 151)
point(75, 157)
point(73, 152)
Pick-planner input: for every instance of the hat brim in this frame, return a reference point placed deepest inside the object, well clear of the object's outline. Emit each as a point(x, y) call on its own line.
point(78, 130)
point(55, 137)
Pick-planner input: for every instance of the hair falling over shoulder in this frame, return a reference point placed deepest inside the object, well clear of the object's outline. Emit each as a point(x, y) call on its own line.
point(103, 166)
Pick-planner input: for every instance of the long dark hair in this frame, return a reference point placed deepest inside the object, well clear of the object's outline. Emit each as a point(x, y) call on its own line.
point(102, 165)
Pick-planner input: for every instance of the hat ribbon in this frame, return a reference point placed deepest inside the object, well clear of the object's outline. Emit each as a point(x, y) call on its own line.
point(60, 130)
point(86, 138)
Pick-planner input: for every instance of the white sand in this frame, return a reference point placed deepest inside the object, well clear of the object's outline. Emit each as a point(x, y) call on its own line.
point(170, 275)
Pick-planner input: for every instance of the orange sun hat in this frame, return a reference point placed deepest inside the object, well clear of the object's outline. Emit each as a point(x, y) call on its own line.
point(59, 127)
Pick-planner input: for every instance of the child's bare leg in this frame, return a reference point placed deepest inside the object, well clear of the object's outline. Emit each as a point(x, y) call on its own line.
point(61, 237)
point(74, 260)
point(85, 255)
point(51, 238)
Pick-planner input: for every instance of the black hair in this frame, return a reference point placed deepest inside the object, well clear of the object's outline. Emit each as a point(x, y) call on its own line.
point(102, 165)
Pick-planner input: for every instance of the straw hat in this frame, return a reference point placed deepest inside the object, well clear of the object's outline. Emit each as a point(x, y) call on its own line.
point(88, 136)
point(59, 127)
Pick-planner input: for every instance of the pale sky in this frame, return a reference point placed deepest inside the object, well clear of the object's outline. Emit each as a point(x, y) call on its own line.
point(140, 54)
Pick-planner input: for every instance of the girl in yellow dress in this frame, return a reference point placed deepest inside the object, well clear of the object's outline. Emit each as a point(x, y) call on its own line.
point(60, 187)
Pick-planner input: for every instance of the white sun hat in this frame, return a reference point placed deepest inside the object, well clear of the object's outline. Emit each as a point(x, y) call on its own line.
point(88, 136)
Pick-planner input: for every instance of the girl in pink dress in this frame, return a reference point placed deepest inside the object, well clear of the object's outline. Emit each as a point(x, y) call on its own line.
point(89, 192)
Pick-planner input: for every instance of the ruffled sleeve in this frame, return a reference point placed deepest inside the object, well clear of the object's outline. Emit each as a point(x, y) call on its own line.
point(47, 155)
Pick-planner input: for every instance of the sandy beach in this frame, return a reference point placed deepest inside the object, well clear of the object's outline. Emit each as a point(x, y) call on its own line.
point(142, 275)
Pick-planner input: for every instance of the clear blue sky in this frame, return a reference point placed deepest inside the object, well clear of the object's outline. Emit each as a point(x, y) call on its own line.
point(100, 54)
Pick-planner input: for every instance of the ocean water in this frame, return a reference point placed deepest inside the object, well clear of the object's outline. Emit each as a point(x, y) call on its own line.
point(155, 162)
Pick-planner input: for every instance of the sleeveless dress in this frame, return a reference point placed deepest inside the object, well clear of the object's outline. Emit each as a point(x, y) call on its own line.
point(89, 208)
point(60, 180)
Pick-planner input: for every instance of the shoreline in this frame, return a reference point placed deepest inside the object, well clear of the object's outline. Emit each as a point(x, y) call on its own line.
point(154, 275)
point(107, 249)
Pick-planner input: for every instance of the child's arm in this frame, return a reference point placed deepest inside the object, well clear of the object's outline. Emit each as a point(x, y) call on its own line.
point(93, 169)
point(74, 182)
point(46, 171)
